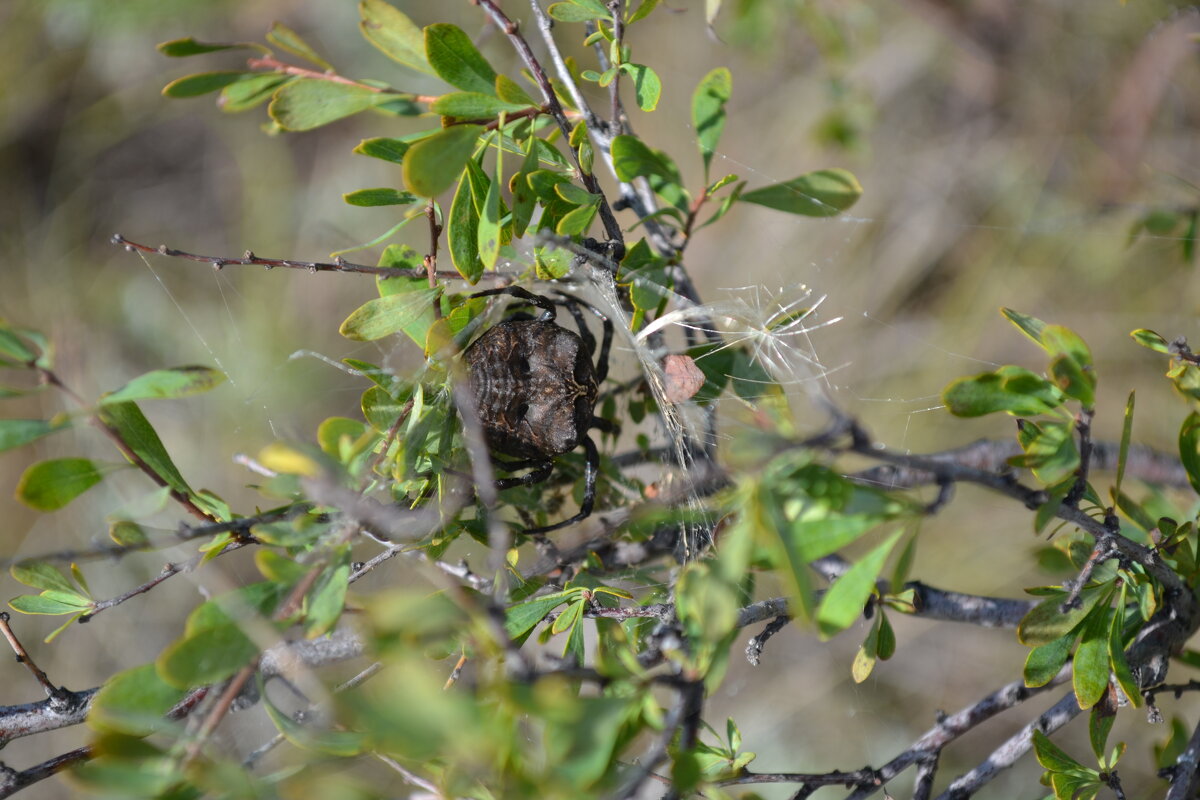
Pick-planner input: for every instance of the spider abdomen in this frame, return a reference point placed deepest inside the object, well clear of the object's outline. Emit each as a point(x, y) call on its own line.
point(534, 387)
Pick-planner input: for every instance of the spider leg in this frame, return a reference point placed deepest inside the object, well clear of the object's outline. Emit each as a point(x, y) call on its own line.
point(572, 304)
point(548, 311)
point(591, 470)
point(540, 473)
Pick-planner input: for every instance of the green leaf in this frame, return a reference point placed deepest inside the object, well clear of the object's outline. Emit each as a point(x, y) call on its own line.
point(577, 221)
point(708, 111)
point(1030, 326)
point(287, 39)
point(1189, 448)
point(51, 485)
point(133, 702)
point(1099, 726)
point(462, 232)
point(647, 86)
point(520, 618)
point(472, 105)
point(205, 656)
point(14, 345)
point(1126, 437)
point(643, 11)
point(825, 193)
point(16, 432)
point(488, 233)
point(51, 602)
point(379, 197)
point(1012, 389)
point(308, 103)
point(844, 602)
point(1045, 622)
point(524, 199)
point(433, 164)
point(384, 316)
point(137, 432)
point(1050, 451)
point(510, 91)
point(181, 48)
point(335, 430)
point(165, 383)
point(456, 61)
point(41, 575)
point(390, 29)
point(1051, 756)
point(818, 537)
point(254, 90)
point(384, 148)
point(204, 82)
point(328, 596)
point(578, 11)
point(632, 159)
point(1044, 661)
point(569, 618)
point(1151, 340)
point(1120, 666)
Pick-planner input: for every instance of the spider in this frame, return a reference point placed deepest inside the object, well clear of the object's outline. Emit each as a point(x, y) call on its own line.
point(535, 391)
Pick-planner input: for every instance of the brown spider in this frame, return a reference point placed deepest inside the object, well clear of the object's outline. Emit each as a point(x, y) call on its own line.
point(535, 390)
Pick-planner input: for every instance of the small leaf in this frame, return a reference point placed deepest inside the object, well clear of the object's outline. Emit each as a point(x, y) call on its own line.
point(384, 316)
point(133, 702)
point(1151, 340)
point(1045, 622)
point(308, 103)
point(1126, 437)
point(577, 221)
point(1044, 661)
point(456, 60)
point(203, 83)
point(1189, 448)
point(472, 105)
point(1012, 389)
point(646, 85)
point(510, 91)
point(708, 111)
point(1120, 666)
point(137, 432)
point(51, 485)
point(569, 618)
point(520, 618)
point(1030, 326)
point(392, 150)
point(181, 48)
point(632, 159)
point(379, 197)
point(578, 12)
point(462, 233)
point(847, 597)
point(287, 39)
point(254, 90)
point(41, 575)
point(165, 383)
point(1090, 674)
point(1051, 756)
point(390, 30)
point(825, 193)
point(205, 656)
point(432, 165)
point(488, 233)
point(51, 603)
point(328, 596)
point(16, 432)
point(1099, 726)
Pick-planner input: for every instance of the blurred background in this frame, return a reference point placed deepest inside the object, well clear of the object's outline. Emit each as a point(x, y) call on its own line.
point(1006, 149)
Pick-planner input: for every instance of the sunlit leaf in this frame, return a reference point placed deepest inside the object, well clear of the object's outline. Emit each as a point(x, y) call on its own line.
point(456, 60)
point(308, 103)
point(432, 165)
point(708, 111)
point(51, 485)
point(390, 29)
point(825, 193)
point(166, 383)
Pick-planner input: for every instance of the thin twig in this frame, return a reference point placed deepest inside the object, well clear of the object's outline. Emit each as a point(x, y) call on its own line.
point(55, 693)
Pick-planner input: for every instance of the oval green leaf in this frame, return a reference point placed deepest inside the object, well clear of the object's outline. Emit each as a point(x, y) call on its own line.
point(206, 656)
point(396, 36)
point(50, 485)
point(166, 383)
point(133, 702)
point(51, 603)
point(1150, 339)
point(384, 316)
point(379, 197)
point(41, 575)
point(432, 165)
point(647, 86)
point(16, 432)
point(308, 103)
point(472, 105)
point(846, 598)
point(708, 110)
point(824, 193)
point(456, 61)
point(1090, 674)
